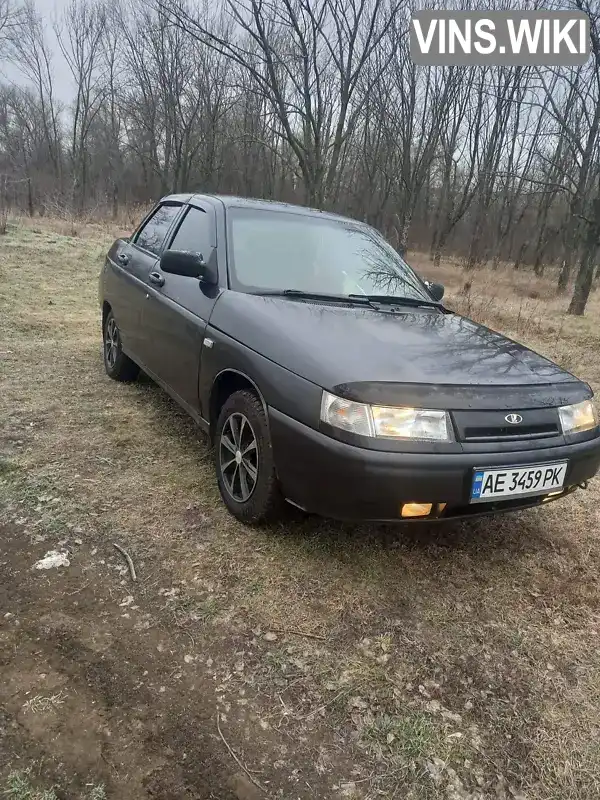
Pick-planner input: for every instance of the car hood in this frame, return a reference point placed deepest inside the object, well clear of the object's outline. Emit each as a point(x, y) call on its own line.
point(362, 352)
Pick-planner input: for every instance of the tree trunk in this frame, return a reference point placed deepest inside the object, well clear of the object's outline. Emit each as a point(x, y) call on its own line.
point(585, 275)
point(570, 245)
point(583, 283)
point(29, 198)
point(115, 201)
point(474, 258)
point(433, 244)
point(564, 275)
point(520, 255)
point(540, 248)
point(404, 229)
point(538, 264)
point(439, 246)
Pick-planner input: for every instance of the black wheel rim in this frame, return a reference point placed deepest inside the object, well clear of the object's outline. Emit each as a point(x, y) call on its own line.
point(238, 457)
point(111, 343)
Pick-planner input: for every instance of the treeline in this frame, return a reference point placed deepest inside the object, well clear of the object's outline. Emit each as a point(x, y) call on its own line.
point(310, 101)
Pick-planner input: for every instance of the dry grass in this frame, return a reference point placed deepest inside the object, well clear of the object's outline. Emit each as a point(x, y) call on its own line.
point(43, 703)
point(460, 659)
point(19, 785)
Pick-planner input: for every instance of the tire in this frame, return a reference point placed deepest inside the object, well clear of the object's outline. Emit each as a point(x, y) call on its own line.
point(118, 366)
point(243, 412)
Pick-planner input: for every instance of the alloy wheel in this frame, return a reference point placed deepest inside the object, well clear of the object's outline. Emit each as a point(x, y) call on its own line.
point(238, 457)
point(111, 342)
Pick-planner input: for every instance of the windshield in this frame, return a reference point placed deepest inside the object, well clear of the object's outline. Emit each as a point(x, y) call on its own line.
point(272, 251)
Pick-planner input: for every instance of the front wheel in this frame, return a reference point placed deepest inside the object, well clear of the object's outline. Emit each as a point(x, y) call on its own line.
point(244, 461)
point(118, 366)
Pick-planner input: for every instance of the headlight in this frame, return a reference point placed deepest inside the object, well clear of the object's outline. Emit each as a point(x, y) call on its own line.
point(578, 417)
point(386, 422)
point(412, 423)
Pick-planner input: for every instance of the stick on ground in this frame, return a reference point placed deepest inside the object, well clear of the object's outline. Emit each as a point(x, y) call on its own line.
point(302, 633)
point(127, 558)
point(236, 759)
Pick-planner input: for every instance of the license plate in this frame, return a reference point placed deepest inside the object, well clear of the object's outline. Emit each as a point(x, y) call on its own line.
point(495, 484)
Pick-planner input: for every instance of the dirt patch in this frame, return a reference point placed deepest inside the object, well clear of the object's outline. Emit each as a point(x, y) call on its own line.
point(93, 686)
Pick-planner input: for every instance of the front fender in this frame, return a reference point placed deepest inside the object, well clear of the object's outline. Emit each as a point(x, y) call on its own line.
point(281, 389)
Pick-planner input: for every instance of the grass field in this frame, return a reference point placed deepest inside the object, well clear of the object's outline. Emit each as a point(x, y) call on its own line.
point(311, 659)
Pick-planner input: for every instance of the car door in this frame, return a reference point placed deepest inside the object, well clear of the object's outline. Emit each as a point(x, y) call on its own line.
point(178, 309)
point(122, 288)
point(141, 259)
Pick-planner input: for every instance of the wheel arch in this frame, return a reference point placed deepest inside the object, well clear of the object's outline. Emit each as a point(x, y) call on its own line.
point(106, 309)
point(224, 384)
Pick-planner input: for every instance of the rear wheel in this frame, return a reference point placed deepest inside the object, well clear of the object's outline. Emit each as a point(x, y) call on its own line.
point(118, 366)
point(244, 461)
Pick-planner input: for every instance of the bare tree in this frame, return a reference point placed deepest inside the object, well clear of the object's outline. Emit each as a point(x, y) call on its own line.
point(9, 19)
point(586, 202)
point(460, 144)
point(80, 35)
point(306, 58)
point(29, 49)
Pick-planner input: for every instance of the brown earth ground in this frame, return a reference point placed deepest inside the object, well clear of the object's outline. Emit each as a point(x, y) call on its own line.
point(306, 660)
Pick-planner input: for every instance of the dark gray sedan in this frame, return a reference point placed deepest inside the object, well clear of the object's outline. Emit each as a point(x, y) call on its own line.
point(329, 375)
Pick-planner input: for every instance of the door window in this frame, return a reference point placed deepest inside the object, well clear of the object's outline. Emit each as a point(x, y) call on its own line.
point(195, 233)
point(154, 232)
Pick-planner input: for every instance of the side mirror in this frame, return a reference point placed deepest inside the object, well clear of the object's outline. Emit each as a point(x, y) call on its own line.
point(436, 290)
point(188, 264)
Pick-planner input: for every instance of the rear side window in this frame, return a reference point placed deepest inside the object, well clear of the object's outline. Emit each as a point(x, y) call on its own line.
point(194, 233)
point(152, 235)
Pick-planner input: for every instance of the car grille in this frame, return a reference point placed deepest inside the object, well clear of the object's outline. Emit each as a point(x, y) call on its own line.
point(492, 426)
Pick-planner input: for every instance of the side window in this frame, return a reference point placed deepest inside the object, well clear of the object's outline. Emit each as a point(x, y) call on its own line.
point(195, 233)
point(152, 235)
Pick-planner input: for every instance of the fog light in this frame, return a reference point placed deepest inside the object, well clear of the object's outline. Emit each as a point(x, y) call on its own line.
point(552, 495)
point(416, 509)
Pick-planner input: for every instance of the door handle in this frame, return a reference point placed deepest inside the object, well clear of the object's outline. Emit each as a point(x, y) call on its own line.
point(123, 258)
point(156, 278)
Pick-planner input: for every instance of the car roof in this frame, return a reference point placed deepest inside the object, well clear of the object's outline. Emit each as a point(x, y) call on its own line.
point(233, 201)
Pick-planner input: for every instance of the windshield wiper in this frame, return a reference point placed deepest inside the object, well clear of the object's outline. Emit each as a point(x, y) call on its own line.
point(386, 299)
point(301, 295)
point(362, 299)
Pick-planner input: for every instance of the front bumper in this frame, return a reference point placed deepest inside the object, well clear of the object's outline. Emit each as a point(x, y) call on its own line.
point(328, 477)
